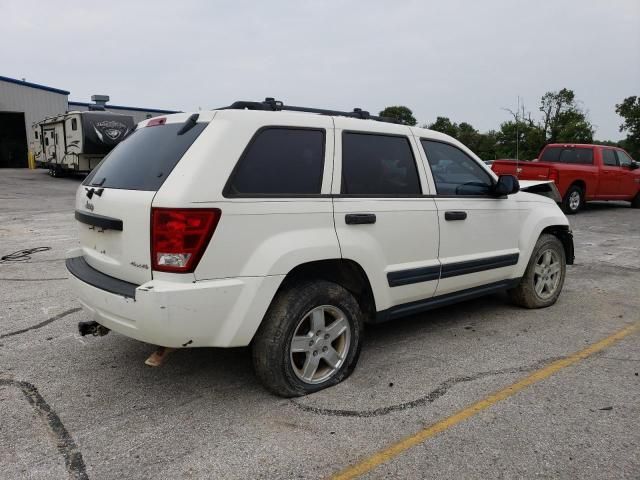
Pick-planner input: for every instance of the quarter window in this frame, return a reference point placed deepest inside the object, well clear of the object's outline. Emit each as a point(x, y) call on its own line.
point(609, 157)
point(455, 172)
point(74, 124)
point(280, 161)
point(378, 165)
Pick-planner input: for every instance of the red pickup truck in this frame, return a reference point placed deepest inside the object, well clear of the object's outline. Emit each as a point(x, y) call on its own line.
point(581, 173)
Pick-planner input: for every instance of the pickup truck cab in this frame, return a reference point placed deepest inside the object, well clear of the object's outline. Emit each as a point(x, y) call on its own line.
point(289, 230)
point(582, 173)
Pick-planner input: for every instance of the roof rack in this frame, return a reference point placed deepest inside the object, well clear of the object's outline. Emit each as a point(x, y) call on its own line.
point(273, 105)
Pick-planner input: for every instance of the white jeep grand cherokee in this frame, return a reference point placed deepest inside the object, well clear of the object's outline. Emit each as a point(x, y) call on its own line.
point(288, 229)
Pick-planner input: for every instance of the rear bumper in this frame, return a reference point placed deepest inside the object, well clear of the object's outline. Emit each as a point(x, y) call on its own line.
point(211, 313)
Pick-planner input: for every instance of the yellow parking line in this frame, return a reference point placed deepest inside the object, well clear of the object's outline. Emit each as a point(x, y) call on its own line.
point(396, 449)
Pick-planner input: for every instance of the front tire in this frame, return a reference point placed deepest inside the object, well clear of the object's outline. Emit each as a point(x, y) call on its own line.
point(635, 203)
point(573, 200)
point(544, 277)
point(309, 339)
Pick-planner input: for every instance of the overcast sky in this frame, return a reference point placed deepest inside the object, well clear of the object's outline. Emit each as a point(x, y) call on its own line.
point(461, 59)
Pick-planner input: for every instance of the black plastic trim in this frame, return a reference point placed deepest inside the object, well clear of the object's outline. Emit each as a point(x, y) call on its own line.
point(473, 266)
point(453, 216)
point(359, 218)
point(420, 306)
point(413, 275)
point(106, 223)
point(79, 268)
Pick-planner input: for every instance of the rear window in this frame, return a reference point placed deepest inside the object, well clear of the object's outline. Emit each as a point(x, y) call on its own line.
point(144, 160)
point(567, 155)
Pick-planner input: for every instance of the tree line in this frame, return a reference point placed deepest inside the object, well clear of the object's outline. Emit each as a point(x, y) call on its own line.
point(561, 120)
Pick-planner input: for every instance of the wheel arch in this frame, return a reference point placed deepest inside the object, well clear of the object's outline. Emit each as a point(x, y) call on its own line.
point(346, 273)
point(564, 234)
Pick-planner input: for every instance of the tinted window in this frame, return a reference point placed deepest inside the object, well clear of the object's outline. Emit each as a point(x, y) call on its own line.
point(145, 159)
point(567, 155)
point(74, 124)
point(378, 165)
point(609, 157)
point(551, 154)
point(280, 161)
point(454, 172)
point(36, 132)
point(623, 159)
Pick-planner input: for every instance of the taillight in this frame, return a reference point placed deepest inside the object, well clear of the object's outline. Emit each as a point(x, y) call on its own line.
point(179, 237)
point(554, 175)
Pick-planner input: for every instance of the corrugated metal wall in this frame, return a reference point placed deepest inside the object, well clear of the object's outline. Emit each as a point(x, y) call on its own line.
point(34, 102)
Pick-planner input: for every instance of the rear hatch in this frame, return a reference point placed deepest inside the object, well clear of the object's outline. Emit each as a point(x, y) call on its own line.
point(522, 170)
point(113, 205)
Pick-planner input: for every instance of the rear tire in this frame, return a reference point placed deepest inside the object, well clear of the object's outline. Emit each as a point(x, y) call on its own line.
point(309, 339)
point(635, 203)
point(544, 277)
point(573, 200)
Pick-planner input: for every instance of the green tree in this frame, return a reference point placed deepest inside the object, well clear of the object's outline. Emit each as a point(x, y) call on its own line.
point(563, 120)
point(629, 110)
point(401, 113)
point(521, 139)
point(444, 125)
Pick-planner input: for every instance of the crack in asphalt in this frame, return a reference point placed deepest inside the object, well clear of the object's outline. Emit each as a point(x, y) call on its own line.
point(64, 441)
point(430, 397)
point(42, 324)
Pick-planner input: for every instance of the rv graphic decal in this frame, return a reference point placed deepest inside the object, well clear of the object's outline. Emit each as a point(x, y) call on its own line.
point(112, 129)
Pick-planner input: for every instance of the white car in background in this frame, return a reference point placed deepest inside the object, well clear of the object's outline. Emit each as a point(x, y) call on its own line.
point(288, 229)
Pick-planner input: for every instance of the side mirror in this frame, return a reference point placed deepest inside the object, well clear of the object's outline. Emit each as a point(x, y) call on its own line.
point(634, 165)
point(506, 185)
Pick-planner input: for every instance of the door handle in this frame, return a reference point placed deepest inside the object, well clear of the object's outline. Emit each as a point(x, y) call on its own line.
point(359, 218)
point(455, 215)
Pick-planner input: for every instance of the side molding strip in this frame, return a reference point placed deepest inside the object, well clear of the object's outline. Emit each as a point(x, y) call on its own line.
point(473, 266)
point(447, 270)
point(414, 275)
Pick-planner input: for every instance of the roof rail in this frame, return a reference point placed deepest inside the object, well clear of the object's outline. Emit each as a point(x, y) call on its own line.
point(271, 104)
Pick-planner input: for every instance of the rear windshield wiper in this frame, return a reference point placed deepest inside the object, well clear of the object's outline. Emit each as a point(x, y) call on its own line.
point(189, 124)
point(100, 183)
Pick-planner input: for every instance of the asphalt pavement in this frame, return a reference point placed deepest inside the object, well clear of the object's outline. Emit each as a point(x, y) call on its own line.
point(88, 407)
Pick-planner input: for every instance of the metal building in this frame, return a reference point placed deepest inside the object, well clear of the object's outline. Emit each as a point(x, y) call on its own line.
point(23, 104)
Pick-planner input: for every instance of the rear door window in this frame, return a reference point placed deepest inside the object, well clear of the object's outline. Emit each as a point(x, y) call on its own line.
point(374, 164)
point(280, 161)
point(609, 157)
point(144, 160)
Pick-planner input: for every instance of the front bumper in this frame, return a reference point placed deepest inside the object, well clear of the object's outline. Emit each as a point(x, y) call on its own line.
point(210, 313)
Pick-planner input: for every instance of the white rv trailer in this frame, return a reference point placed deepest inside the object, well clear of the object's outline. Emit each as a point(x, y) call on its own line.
point(77, 141)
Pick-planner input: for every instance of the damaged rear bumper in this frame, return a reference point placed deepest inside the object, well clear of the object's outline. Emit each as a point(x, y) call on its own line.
point(211, 313)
